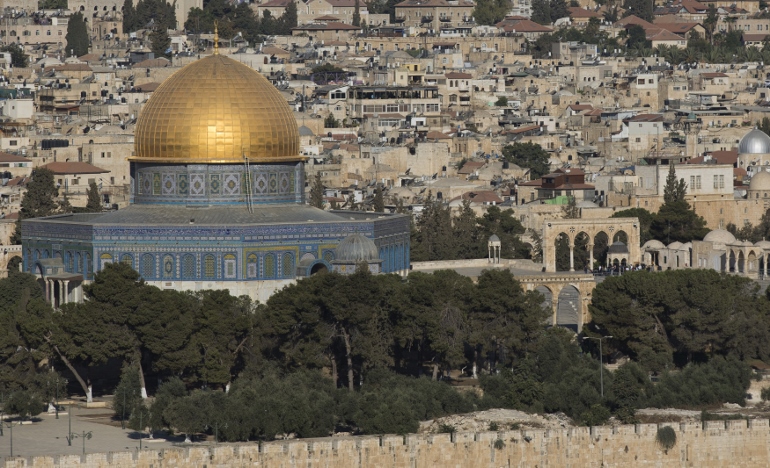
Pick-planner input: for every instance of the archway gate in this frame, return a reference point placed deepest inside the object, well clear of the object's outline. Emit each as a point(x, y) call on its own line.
point(571, 228)
point(570, 295)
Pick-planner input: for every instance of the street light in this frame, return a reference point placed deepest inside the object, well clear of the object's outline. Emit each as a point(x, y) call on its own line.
point(84, 435)
point(601, 363)
point(10, 425)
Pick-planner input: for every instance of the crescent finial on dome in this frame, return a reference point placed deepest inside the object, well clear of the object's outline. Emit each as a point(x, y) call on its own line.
point(216, 37)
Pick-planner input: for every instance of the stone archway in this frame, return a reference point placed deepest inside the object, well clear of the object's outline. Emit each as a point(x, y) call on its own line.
point(572, 227)
point(568, 308)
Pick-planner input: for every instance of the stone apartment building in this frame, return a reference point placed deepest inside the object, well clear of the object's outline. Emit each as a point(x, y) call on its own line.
point(434, 14)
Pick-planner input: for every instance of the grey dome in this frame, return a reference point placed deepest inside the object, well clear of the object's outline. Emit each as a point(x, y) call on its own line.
point(618, 248)
point(719, 236)
point(754, 142)
point(653, 244)
point(494, 238)
point(356, 248)
point(305, 131)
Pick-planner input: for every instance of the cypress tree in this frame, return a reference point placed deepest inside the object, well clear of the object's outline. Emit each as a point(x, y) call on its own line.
point(357, 15)
point(39, 201)
point(94, 204)
point(160, 42)
point(317, 192)
point(129, 16)
point(77, 35)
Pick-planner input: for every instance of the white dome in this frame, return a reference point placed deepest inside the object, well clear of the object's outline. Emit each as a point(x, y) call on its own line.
point(653, 244)
point(763, 244)
point(760, 181)
point(675, 245)
point(686, 246)
point(754, 142)
point(719, 236)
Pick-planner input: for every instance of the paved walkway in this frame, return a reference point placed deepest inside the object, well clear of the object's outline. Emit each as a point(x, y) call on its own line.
point(48, 435)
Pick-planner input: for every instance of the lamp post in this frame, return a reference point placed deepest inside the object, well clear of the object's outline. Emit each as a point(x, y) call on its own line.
point(601, 362)
point(10, 425)
point(84, 435)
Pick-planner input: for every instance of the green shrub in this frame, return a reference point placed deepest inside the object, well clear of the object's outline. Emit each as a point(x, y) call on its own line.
point(499, 444)
point(666, 438)
point(446, 429)
point(493, 426)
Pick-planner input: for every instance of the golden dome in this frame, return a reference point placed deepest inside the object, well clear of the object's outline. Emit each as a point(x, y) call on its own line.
point(216, 110)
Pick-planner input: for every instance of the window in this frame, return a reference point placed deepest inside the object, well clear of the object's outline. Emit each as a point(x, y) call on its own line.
point(287, 265)
point(638, 140)
point(188, 266)
point(269, 266)
point(13, 142)
point(251, 266)
point(104, 259)
point(640, 81)
point(697, 182)
point(127, 259)
point(230, 266)
point(148, 266)
point(209, 267)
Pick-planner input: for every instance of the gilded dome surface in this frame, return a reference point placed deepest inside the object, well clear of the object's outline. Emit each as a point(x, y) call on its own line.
point(216, 110)
point(754, 142)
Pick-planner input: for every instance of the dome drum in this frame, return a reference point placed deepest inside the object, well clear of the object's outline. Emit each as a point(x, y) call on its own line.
point(213, 184)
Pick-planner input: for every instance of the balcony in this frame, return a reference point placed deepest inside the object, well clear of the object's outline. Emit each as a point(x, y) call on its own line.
point(399, 19)
point(427, 19)
point(444, 19)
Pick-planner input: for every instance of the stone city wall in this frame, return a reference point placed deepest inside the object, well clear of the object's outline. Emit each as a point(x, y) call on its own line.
point(737, 443)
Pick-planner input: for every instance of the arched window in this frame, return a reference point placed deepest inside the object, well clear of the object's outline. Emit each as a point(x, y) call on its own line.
point(148, 266)
point(127, 259)
point(209, 267)
point(69, 261)
point(78, 263)
point(269, 266)
point(57, 254)
point(36, 255)
point(328, 256)
point(88, 267)
point(168, 267)
point(230, 264)
point(287, 265)
point(188, 266)
point(46, 253)
point(251, 266)
point(104, 259)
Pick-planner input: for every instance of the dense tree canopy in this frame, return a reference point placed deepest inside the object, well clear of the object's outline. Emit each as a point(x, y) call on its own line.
point(676, 220)
point(158, 15)
point(659, 319)
point(38, 201)
point(528, 156)
point(18, 57)
point(77, 35)
point(491, 12)
point(437, 235)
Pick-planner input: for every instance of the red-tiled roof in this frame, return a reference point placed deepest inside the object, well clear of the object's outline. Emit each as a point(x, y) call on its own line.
point(458, 75)
point(633, 19)
point(511, 24)
point(74, 168)
point(577, 12)
point(12, 158)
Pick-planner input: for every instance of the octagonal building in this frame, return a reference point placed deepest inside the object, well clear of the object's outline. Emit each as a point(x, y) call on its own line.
point(217, 199)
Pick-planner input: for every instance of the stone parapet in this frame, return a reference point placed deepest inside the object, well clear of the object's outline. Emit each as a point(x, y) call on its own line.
point(737, 443)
